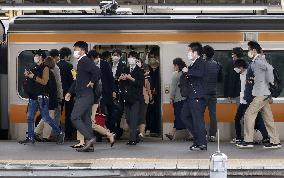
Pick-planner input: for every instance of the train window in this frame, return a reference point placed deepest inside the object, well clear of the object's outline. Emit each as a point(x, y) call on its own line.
point(25, 61)
point(276, 58)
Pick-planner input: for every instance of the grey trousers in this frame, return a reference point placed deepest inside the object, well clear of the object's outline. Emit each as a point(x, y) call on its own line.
point(132, 117)
point(210, 102)
point(81, 115)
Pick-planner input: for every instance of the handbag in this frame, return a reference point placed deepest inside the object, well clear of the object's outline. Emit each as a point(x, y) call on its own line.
point(100, 118)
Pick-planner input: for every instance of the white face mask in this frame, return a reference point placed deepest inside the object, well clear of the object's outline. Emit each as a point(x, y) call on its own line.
point(190, 56)
point(97, 60)
point(76, 54)
point(115, 59)
point(36, 59)
point(250, 55)
point(237, 70)
point(139, 64)
point(131, 61)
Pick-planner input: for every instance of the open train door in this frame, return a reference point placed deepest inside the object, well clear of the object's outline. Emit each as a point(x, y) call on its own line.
point(4, 120)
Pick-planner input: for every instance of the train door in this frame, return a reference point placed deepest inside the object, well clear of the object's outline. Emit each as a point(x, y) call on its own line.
point(150, 56)
point(4, 122)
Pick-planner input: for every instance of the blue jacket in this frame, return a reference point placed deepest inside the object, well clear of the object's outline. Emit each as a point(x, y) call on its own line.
point(197, 79)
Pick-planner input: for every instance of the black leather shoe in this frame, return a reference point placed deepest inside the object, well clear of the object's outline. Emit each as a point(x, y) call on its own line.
point(27, 140)
point(131, 143)
point(195, 147)
point(88, 144)
point(169, 136)
point(77, 146)
point(91, 149)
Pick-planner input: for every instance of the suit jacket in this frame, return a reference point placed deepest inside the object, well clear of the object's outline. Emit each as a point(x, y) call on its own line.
point(134, 90)
point(107, 79)
point(263, 73)
point(66, 75)
point(197, 79)
point(121, 68)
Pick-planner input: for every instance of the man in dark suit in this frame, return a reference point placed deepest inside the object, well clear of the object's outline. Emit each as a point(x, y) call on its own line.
point(192, 111)
point(66, 80)
point(132, 81)
point(88, 74)
point(118, 67)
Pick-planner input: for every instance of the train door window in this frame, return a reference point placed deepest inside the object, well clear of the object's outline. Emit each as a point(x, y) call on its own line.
point(25, 61)
point(276, 59)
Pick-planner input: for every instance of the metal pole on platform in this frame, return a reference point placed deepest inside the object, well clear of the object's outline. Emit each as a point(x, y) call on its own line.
point(218, 168)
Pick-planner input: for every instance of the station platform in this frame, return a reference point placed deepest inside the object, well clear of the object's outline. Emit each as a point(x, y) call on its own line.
point(149, 158)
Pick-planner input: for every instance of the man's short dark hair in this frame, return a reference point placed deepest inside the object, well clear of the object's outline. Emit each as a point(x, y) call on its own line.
point(64, 52)
point(155, 51)
point(208, 51)
point(196, 46)
point(241, 63)
point(133, 54)
point(106, 55)
point(180, 63)
point(118, 51)
point(82, 45)
point(238, 51)
point(41, 53)
point(93, 54)
point(54, 53)
point(254, 45)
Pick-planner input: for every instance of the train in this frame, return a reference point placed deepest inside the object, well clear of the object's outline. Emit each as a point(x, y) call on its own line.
point(171, 33)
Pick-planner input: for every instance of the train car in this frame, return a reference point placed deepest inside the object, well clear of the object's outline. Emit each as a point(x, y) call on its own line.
point(171, 34)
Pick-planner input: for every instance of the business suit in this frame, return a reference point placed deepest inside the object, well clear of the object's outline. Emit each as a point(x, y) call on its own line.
point(117, 70)
point(263, 73)
point(87, 72)
point(134, 90)
point(192, 111)
point(67, 80)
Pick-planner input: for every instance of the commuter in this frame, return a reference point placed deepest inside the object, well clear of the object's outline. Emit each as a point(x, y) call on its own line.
point(132, 82)
point(88, 75)
point(54, 53)
point(105, 96)
point(43, 130)
point(153, 123)
point(192, 112)
point(232, 79)
point(147, 99)
point(67, 80)
point(263, 78)
point(118, 68)
point(241, 67)
point(36, 89)
point(176, 99)
point(213, 69)
point(146, 94)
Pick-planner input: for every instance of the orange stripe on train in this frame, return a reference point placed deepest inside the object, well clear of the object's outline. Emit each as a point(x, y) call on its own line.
point(225, 113)
point(129, 37)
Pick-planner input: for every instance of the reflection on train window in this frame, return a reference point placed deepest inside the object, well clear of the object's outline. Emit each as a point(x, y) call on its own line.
point(25, 61)
point(276, 58)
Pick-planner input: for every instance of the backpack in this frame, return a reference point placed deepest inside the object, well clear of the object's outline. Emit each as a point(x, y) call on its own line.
point(184, 85)
point(276, 89)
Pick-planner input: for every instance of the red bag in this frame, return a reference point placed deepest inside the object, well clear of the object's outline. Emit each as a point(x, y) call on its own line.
point(100, 118)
